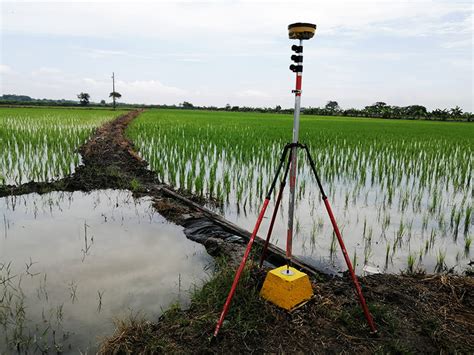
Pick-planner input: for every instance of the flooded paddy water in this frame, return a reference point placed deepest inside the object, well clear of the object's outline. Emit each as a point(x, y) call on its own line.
point(70, 263)
point(380, 237)
point(401, 190)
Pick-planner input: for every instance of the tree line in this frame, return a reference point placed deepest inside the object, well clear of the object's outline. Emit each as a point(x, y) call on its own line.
point(332, 108)
point(382, 110)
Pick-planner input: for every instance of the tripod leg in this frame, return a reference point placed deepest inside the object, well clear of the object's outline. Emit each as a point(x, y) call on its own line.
point(363, 304)
point(275, 211)
point(249, 245)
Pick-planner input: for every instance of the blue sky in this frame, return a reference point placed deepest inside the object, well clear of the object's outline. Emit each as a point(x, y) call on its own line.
point(237, 52)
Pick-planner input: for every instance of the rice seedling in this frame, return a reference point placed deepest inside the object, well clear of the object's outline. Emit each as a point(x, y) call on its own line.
point(457, 221)
point(467, 244)
point(387, 254)
point(100, 295)
point(411, 263)
point(332, 248)
point(73, 291)
point(38, 144)
point(368, 252)
point(440, 261)
point(467, 218)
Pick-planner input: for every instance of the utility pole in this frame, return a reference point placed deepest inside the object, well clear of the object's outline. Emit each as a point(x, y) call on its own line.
point(113, 89)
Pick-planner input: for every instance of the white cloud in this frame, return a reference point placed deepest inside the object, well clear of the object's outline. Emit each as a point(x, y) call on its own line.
point(46, 71)
point(463, 43)
point(5, 69)
point(97, 53)
point(221, 19)
point(153, 86)
point(253, 93)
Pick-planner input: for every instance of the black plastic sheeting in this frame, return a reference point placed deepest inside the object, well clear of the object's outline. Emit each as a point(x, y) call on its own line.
point(201, 229)
point(205, 231)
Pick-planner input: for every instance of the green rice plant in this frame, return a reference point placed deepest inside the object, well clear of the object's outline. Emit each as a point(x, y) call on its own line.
point(387, 252)
point(467, 244)
point(457, 221)
point(367, 252)
point(400, 232)
point(440, 261)
point(332, 249)
point(453, 214)
point(40, 144)
point(354, 259)
point(411, 263)
point(467, 218)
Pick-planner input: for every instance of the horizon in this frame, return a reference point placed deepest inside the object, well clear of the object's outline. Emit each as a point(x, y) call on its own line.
point(180, 104)
point(163, 53)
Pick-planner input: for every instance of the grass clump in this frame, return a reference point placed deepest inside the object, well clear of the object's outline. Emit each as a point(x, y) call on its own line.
point(353, 317)
point(135, 185)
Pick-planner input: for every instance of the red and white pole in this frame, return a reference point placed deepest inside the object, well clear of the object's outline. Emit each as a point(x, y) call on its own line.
point(294, 156)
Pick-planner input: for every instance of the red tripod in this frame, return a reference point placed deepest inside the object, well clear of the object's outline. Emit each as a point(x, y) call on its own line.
point(299, 31)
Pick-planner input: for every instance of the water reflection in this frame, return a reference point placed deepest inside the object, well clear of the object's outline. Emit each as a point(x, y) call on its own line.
point(378, 235)
point(71, 262)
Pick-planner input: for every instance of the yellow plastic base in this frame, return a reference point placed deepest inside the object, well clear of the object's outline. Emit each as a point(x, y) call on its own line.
point(286, 291)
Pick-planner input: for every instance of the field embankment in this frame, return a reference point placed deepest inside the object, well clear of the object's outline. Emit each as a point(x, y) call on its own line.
point(414, 314)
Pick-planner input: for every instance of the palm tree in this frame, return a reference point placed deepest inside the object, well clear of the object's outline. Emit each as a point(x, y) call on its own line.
point(456, 112)
point(115, 95)
point(441, 114)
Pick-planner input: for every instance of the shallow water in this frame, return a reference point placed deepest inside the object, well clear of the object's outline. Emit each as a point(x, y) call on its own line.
point(72, 262)
point(377, 235)
point(401, 191)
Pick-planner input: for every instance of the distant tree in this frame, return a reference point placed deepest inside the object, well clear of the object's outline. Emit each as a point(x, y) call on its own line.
point(456, 112)
point(235, 108)
point(277, 108)
point(379, 109)
point(332, 106)
point(396, 112)
point(12, 97)
point(351, 112)
point(468, 116)
point(115, 95)
point(440, 114)
point(415, 111)
point(187, 105)
point(102, 102)
point(84, 98)
point(227, 107)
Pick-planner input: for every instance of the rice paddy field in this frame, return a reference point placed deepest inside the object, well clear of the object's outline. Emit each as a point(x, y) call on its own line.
point(40, 144)
point(401, 190)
